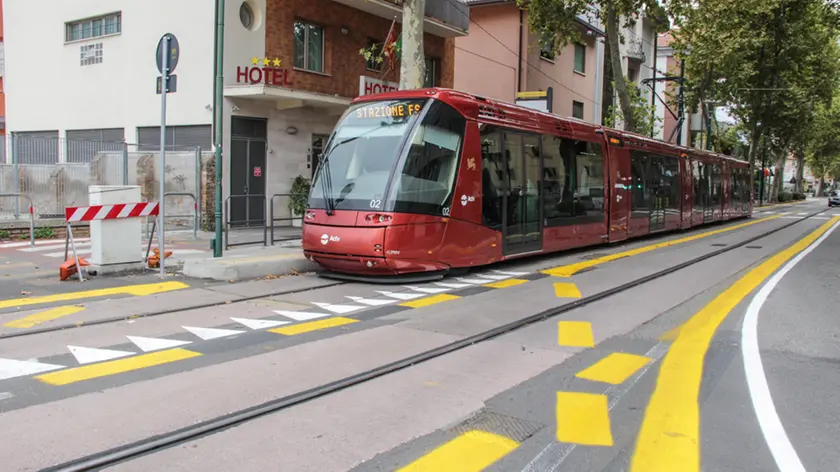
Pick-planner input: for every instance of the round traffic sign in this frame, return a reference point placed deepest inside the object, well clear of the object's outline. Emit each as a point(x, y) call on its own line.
point(174, 53)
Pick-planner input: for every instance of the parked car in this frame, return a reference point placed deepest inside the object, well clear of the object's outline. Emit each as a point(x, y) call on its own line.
point(834, 198)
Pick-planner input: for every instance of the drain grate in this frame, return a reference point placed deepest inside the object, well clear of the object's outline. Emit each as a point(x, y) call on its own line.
point(513, 428)
point(753, 247)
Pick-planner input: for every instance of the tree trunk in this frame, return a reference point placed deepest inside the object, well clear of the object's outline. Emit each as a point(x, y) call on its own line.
point(755, 137)
point(613, 27)
point(800, 169)
point(413, 58)
point(820, 184)
point(779, 179)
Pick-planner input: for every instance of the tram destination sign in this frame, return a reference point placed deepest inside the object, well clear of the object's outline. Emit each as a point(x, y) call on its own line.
point(388, 110)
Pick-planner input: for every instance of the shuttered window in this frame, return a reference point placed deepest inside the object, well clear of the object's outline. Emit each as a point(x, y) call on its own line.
point(84, 144)
point(180, 138)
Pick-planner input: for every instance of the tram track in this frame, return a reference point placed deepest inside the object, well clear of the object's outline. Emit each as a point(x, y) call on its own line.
point(170, 439)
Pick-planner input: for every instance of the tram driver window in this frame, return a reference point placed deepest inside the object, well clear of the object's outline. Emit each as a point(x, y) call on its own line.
point(427, 181)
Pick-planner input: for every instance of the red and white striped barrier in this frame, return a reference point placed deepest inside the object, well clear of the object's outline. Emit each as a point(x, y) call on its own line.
point(111, 212)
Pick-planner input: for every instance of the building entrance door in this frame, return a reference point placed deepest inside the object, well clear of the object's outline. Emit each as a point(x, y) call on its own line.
point(247, 171)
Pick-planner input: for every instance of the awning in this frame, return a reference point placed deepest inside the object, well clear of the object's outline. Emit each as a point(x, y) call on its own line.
point(286, 97)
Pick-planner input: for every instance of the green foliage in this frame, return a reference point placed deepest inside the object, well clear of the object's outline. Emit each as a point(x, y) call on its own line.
point(299, 195)
point(799, 196)
point(4, 234)
point(376, 52)
point(785, 197)
point(44, 232)
point(644, 115)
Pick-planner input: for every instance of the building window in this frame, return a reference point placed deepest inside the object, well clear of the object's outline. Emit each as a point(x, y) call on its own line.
point(580, 58)
point(309, 47)
point(93, 27)
point(430, 80)
point(90, 54)
point(246, 15)
point(577, 110)
point(376, 49)
point(547, 45)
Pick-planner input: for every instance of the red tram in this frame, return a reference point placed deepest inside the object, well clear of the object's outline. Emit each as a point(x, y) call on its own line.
point(424, 182)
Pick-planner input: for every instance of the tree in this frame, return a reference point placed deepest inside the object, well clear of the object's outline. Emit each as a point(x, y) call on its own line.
point(771, 62)
point(557, 19)
point(643, 116)
point(409, 47)
point(823, 148)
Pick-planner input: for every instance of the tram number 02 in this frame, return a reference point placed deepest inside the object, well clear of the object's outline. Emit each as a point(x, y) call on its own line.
point(445, 211)
point(375, 203)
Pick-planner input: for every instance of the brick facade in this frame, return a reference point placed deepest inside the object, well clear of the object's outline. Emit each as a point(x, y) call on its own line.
point(342, 62)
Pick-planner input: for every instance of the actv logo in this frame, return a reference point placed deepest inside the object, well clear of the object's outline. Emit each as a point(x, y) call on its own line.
point(326, 238)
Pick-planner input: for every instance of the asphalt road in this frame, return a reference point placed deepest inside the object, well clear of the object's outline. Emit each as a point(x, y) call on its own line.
point(642, 380)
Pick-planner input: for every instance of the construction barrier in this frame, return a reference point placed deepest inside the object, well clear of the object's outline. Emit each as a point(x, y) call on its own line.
point(97, 213)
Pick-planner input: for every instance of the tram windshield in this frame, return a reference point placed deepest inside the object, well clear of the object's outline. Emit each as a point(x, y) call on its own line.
point(394, 155)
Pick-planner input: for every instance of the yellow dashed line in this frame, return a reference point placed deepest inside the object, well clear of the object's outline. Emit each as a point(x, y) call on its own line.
point(506, 283)
point(426, 301)
point(313, 326)
point(472, 451)
point(583, 418)
point(571, 269)
point(575, 333)
point(566, 290)
point(614, 369)
point(103, 369)
point(44, 316)
point(136, 290)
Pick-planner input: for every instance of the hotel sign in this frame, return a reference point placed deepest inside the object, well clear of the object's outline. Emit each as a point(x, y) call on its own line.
point(371, 86)
point(264, 71)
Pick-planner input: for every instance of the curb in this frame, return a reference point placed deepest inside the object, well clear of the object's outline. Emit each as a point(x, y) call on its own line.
point(233, 270)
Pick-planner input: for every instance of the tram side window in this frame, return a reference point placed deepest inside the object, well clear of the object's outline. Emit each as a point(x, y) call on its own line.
point(492, 175)
point(559, 184)
point(670, 168)
point(717, 185)
point(427, 182)
point(639, 170)
point(697, 174)
point(589, 167)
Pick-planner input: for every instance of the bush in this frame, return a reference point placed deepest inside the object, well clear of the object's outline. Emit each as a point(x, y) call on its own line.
point(785, 197)
point(798, 196)
point(44, 232)
point(4, 234)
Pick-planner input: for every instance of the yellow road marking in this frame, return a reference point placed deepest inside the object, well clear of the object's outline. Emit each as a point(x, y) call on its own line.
point(470, 452)
point(614, 369)
point(566, 290)
point(671, 334)
point(44, 316)
point(506, 283)
point(669, 435)
point(136, 290)
point(78, 374)
point(313, 326)
point(583, 418)
point(571, 269)
point(426, 301)
point(575, 333)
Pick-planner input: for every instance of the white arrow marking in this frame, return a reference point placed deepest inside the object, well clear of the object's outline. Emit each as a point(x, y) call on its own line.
point(154, 344)
point(211, 333)
point(259, 324)
point(300, 315)
point(86, 355)
point(401, 296)
point(370, 301)
point(10, 368)
point(474, 281)
point(340, 309)
point(428, 290)
point(452, 285)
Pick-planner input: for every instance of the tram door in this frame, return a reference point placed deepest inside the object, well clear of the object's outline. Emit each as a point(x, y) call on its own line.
point(659, 194)
point(523, 169)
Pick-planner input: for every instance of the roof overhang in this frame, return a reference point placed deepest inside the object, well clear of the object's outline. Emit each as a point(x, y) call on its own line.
point(287, 98)
point(588, 20)
point(391, 11)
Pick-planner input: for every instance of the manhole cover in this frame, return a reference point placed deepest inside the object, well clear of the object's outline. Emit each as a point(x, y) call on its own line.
point(491, 422)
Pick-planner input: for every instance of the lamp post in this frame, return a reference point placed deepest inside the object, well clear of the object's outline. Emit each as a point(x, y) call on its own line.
point(218, 97)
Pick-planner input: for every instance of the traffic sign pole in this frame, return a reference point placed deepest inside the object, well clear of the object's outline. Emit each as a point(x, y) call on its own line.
point(164, 70)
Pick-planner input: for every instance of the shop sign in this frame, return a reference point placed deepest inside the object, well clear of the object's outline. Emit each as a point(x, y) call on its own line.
point(264, 71)
point(370, 86)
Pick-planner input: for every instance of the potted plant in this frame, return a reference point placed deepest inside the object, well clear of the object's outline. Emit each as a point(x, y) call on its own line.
point(298, 197)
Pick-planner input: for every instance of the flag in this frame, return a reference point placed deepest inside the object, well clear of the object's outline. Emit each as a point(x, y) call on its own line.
point(390, 44)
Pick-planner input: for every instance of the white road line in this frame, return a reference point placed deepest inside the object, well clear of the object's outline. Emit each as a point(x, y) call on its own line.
point(39, 243)
point(52, 247)
point(6, 395)
point(771, 426)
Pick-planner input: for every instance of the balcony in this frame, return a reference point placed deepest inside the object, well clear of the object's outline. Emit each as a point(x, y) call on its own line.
point(444, 18)
point(635, 50)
